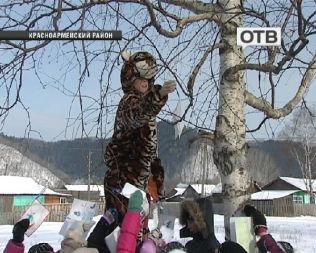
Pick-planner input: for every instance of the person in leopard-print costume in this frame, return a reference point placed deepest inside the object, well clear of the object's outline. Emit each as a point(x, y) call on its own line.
point(133, 146)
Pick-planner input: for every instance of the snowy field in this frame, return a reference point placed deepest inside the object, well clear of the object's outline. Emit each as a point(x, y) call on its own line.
point(299, 231)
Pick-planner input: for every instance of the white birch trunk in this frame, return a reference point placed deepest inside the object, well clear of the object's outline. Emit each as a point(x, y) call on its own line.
point(230, 131)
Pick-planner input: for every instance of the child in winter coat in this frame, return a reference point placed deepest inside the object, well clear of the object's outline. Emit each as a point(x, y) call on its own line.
point(133, 145)
point(15, 245)
point(131, 224)
point(266, 243)
point(73, 242)
point(197, 216)
point(75, 239)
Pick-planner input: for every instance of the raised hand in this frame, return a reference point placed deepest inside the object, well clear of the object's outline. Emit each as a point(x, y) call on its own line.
point(168, 87)
point(19, 229)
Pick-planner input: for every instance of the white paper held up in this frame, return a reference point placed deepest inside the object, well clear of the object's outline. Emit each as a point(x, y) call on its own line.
point(129, 189)
point(36, 213)
point(178, 128)
point(81, 210)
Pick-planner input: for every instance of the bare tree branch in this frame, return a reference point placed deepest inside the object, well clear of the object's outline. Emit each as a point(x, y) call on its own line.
point(181, 23)
point(266, 107)
point(197, 7)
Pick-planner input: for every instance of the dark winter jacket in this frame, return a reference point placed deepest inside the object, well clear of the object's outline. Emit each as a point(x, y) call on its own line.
point(231, 247)
point(201, 211)
point(258, 218)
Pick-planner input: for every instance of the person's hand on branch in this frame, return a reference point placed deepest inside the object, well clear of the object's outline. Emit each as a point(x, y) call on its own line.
point(168, 87)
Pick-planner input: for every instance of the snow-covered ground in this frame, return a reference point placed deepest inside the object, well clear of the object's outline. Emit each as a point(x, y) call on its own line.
point(299, 231)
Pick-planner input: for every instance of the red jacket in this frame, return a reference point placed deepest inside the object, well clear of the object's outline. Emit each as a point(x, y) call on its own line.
point(14, 247)
point(128, 234)
point(266, 244)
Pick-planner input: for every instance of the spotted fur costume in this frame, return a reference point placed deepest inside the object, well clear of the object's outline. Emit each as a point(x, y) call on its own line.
point(133, 146)
point(134, 142)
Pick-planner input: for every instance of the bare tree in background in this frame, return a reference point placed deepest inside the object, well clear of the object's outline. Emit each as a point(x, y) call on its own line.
point(198, 166)
point(261, 165)
point(301, 130)
point(195, 43)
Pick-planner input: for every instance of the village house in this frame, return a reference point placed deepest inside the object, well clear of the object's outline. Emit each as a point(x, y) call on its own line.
point(83, 191)
point(285, 196)
point(16, 193)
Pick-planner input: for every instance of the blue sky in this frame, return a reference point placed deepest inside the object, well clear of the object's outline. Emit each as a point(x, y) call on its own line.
point(49, 110)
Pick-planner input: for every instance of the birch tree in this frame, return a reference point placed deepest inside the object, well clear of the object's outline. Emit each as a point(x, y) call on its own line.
point(195, 44)
point(301, 130)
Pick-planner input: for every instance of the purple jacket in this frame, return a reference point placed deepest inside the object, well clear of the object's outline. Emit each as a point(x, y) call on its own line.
point(14, 247)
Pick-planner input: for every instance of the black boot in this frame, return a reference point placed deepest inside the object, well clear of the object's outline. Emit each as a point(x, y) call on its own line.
point(96, 238)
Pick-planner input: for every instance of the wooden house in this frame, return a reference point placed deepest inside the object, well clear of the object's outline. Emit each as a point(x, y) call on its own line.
point(93, 193)
point(18, 192)
point(285, 196)
point(299, 193)
point(180, 193)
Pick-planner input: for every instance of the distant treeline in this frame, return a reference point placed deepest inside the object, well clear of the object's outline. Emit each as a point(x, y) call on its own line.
point(70, 159)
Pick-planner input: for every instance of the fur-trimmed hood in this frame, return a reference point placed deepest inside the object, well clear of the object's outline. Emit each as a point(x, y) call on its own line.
point(201, 211)
point(191, 209)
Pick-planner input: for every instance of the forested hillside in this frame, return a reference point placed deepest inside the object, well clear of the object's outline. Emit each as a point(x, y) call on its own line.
point(182, 158)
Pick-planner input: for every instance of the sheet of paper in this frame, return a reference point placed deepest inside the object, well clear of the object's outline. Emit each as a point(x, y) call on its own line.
point(81, 211)
point(129, 189)
point(36, 213)
point(178, 128)
point(242, 232)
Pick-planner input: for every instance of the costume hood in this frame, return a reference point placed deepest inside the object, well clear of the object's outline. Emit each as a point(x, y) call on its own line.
point(138, 65)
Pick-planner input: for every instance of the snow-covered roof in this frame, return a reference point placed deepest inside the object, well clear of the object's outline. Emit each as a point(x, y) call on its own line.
point(271, 194)
point(182, 185)
point(217, 189)
point(180, 191)
point(24, 185)
point(84, 187)
point(298, 182)
point(208, 188)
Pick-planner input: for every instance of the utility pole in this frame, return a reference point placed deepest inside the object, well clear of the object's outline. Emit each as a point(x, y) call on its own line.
point(6, 169)
point(89, 174)
point(204, 157)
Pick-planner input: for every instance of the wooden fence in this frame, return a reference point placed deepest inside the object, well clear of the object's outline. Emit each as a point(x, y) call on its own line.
point(305, 209)
point(285, 209)
point(57, 213)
